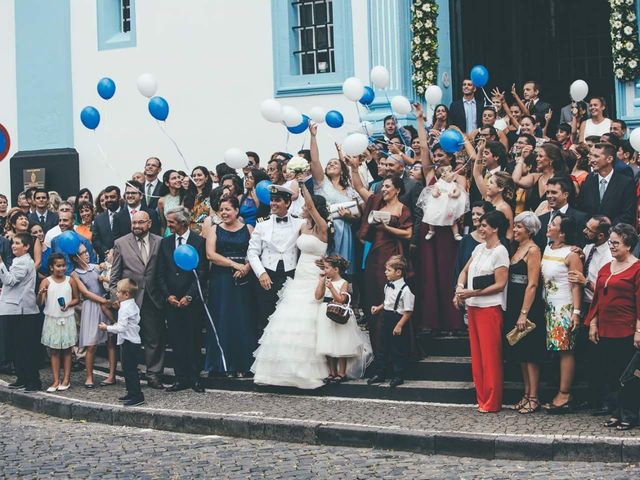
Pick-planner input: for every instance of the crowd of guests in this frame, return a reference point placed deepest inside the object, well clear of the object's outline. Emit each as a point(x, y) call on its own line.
point(529, 230)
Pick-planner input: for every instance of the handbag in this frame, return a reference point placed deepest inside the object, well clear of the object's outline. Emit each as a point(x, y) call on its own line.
point(352, 206)
point(515, 335)
point(483, 281)
point(340, 312)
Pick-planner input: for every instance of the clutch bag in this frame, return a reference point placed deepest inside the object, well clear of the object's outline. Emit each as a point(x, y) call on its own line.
point(352, 206)
point(483, 281)
point(515, 335)
point(377, 216)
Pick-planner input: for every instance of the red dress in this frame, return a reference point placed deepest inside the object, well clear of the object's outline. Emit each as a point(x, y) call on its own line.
point(618, 308)
point(383, 245)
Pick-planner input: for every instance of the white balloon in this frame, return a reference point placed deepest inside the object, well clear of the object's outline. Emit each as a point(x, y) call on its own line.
point(235, 158)
point(317, 114)
point(366, 127)
point(379, 77)
point(353, 89)
point(147, 85)
point(433, 95)
point(355, 144)
point(578, 90)
point(271, 110)
point(291, 116)
point(401, 105)
point(634, 139)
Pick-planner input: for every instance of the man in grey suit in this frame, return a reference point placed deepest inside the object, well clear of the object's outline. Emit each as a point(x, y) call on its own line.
point(135, 257)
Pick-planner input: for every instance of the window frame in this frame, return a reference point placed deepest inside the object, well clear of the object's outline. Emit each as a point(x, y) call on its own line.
point(285, 42)
point(109, 23)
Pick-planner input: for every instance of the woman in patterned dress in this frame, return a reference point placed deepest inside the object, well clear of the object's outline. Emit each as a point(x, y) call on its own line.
point(562, 304)
point(197, 198)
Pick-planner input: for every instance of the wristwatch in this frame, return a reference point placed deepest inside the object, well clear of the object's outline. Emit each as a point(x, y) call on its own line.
point(576, 311)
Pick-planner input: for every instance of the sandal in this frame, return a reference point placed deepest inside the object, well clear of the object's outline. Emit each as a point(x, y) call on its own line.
point(523, 401)
point(531, 406)
point(339, 378)
point(612, 422)
point(624, 426)
point(328, 379)
point(104, 383)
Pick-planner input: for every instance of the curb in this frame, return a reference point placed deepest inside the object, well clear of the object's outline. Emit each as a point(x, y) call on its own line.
point(460, 444)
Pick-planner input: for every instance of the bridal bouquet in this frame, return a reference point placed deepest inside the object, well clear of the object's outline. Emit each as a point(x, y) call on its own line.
point(297, 165)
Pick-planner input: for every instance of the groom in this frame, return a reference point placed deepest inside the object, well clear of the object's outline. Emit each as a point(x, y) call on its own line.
point(272, 251)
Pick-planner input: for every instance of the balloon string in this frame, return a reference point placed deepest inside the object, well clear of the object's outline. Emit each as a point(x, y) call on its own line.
point(487, 99)
point(175, 144)
point(104, 156)
point(213, 327)
point(286, 143)
point(396, 120)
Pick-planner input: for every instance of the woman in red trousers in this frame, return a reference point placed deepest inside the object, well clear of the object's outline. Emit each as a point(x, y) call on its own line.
point(481, 286)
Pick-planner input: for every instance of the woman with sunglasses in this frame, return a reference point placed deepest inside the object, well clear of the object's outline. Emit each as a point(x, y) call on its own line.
point(614, 325)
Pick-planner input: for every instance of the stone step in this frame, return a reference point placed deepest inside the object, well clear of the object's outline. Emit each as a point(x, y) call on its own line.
point(443, 346)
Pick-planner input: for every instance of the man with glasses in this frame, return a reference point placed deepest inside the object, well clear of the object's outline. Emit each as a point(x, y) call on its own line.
point(152, 184)
point(133, 198)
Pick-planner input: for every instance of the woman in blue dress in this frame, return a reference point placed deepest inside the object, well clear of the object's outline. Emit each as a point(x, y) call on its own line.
point(250, 206)
point(230, 294)
point(334, 184)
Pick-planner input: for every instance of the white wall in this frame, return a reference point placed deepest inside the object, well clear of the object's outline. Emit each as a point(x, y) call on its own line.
point(213, 61)
point(8, 108)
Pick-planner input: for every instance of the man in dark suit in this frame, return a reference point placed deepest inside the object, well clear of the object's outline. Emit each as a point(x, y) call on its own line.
point(133, 199)
point(412, 188)
point(152, 183)
point(182, 303)
point(605, 191)
point(532, 101)
point(135, 256)
point(559, 192)
point(461, 112)
point(102, 229)
point(42, 216)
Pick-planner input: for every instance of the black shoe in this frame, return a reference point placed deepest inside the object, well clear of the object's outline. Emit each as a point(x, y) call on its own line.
point(17, 385)
point(395, 382)
point(124, 398)
point(155, 383)
point(36, 387)
point(133, 402)
point(178, 387)
point(375, 379)
point(197, 387)
point(77, 367)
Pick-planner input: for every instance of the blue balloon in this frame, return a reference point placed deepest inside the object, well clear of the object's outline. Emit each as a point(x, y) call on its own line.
point(186, 257)
point(69, 242)
point(159, 108)
point(451, 140)
point(90, 117)
point(263, 193)
point(334, 119)
point(368, 96)
point(301, 127)
point(479, 76)
point(106, 88)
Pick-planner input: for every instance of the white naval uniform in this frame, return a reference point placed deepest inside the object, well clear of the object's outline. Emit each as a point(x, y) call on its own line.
point(272, 242)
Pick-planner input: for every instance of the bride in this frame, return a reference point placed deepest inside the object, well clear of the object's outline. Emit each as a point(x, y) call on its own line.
point(287, 355)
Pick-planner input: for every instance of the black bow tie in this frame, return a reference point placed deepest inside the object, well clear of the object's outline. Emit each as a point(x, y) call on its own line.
point(282, 219)
point(391, 285)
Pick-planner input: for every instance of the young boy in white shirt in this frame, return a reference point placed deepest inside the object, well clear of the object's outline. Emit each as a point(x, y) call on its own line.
point(394, 334)
point(128, 330)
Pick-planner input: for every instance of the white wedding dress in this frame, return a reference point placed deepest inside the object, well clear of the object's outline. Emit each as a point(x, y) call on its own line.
point(287, 354)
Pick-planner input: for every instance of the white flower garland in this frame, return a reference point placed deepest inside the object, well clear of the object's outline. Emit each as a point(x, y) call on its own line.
point(624, 39)
point(424, 47)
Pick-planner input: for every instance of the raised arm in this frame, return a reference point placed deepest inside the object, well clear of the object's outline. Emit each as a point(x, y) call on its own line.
point(359, 187)
point(523, 107)
point(478, 165)
point(524, 181)
point(321, 223)
point(316, 167)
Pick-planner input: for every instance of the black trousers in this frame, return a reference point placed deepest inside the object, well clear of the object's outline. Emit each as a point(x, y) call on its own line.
point(394, 350)
point(185, 332)
point(267, 299)
point(25, 331)
point(622, 401)
point(129, 355)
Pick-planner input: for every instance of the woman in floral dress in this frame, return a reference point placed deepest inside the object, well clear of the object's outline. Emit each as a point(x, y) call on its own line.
point(562, 302)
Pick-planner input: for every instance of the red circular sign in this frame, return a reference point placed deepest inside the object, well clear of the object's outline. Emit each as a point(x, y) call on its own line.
point(5, 142)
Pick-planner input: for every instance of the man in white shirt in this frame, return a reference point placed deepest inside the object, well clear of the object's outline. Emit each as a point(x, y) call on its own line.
point(64, 207)
point(272, 251)
point(152, 184)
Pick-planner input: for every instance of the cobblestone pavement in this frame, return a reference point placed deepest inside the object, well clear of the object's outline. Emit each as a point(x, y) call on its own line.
point(35, 445)
point(379, 413)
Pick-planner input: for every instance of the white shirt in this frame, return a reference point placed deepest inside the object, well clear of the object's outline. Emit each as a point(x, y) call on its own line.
point(184, 236)
point(470, 114)
point(391, 294)
point(562, 210)
point(485, 261)
point(51, 234)
point(282, 230)
point(601, 256)
point(128, 327)
point(111, 214)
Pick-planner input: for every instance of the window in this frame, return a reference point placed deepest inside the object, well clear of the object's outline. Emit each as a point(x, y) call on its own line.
point(313, 46)
point(116, 24)
point(314, 28)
